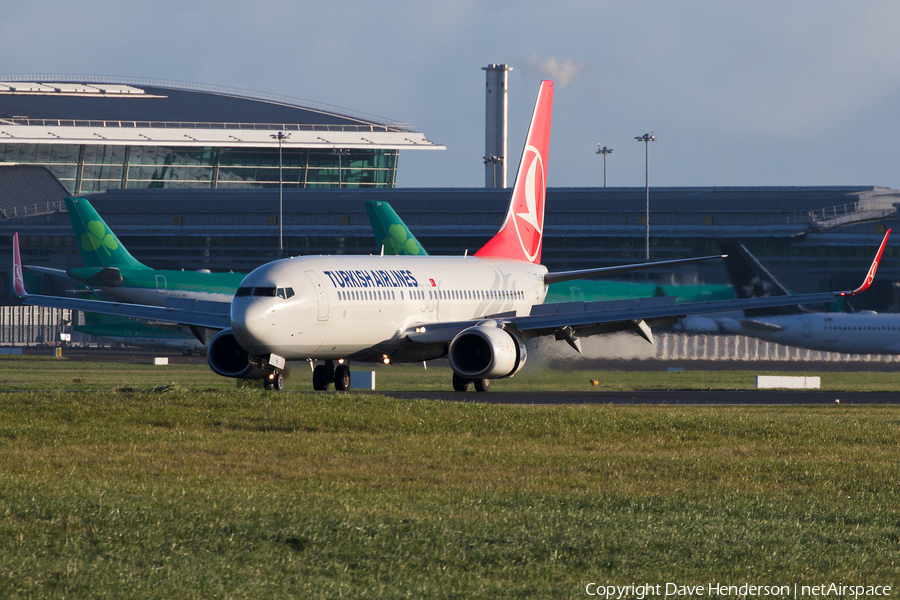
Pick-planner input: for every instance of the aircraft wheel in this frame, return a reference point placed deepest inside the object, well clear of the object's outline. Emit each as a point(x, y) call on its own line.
point(482, 385)
point(187, 352)
point(320, 378)
point(278, 382)
point(342, 377)
point(460, 383)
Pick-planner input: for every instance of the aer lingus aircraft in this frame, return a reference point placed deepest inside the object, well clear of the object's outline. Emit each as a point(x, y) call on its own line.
point(475, 310)
point(110, 267)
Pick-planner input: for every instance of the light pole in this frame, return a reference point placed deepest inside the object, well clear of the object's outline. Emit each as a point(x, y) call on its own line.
point(647, 138)
point(280, 136)
point(494, 160)
point(604, 151)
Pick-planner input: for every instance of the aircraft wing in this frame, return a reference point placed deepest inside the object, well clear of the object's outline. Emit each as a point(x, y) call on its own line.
point(570, 320)
point(46, 271)
point(204, 315)
point(606, 271)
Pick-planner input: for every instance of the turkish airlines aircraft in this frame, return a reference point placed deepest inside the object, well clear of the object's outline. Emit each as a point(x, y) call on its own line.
point(474, 310)
point(863, 332)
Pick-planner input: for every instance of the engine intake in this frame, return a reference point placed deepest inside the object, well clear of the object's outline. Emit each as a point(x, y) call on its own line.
point(227, 358)
point(486, 352)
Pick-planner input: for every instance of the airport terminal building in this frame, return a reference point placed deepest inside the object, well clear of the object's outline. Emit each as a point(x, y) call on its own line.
point(100, 133)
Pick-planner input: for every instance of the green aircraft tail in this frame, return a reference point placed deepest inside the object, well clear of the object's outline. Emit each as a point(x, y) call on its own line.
point(391, 232)
point(99, 246)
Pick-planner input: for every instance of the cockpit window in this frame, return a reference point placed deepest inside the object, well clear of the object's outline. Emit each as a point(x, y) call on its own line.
point(242, 291)
point(284, 293)
point(264, 292)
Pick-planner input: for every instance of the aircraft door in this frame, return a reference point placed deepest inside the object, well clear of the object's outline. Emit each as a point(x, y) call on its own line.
point(321, 295)
point(160, 284)
point(422, 294)
point(437, 302)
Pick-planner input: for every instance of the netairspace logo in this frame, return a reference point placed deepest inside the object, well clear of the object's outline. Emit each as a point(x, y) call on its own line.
point(675, 590)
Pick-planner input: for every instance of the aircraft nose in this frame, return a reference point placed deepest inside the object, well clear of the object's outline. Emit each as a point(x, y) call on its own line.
point(248, 321)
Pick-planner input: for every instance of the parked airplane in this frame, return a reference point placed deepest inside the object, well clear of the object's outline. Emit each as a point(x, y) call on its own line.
point(109, 267)
point(475, 310)
point(850, 333)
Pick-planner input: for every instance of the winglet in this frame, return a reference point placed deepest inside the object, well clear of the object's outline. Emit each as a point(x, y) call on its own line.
point(870, 276)
point(18, 279)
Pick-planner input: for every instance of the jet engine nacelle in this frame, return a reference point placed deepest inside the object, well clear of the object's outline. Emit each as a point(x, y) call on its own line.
point(227, 358)
point(486, 352)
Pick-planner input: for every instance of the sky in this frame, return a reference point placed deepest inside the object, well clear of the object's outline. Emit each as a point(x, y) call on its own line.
point(738, 93)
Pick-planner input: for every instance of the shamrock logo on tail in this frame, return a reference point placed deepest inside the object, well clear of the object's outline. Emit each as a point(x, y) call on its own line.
point(398, 242)
point(97, 237)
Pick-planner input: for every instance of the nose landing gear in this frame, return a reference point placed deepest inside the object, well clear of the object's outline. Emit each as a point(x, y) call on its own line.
point(274, 381)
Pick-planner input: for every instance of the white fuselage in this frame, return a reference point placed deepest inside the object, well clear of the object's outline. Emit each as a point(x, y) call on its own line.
point(850, 333)
point(359, 307)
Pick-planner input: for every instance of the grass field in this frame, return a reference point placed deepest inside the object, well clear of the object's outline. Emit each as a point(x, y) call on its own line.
point(46, 373)
point(175, 490)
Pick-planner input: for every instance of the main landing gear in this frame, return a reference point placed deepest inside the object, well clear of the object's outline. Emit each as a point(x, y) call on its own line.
point(461, 384)
point(324, 375)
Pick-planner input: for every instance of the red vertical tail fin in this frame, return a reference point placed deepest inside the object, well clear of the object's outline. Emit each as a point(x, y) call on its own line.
point(522, 232)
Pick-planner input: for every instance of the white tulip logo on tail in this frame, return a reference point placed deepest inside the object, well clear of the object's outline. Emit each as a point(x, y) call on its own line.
point(529, 224)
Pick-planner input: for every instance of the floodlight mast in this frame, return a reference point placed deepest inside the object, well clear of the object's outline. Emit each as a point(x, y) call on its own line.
point(604, 151)
point(647, 138)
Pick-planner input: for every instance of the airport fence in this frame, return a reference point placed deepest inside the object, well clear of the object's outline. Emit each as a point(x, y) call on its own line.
point(686, 346)
point(40, 327)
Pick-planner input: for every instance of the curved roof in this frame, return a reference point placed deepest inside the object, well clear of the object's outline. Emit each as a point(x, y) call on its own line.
point(49, 108)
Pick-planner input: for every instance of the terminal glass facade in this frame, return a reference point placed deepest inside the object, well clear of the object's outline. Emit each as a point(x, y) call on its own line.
point(86, 168)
